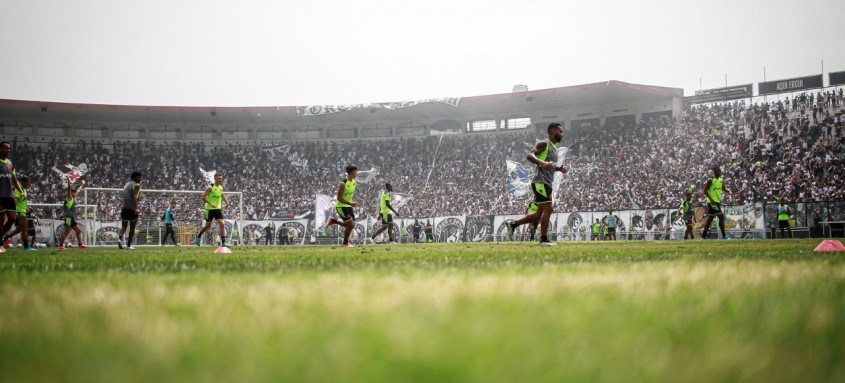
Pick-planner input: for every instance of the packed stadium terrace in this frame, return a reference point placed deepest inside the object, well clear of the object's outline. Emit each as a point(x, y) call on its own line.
point(761, 149)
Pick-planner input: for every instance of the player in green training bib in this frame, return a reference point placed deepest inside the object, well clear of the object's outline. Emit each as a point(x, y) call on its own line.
point(687, 214)
point(784, 214)
point(214, 200)
point(22, 208)
point(344, 204)
point(713, 190)
point(544, 155)
point(595, 228)
point(70, 215)
point(8, 183)
point(385, 210)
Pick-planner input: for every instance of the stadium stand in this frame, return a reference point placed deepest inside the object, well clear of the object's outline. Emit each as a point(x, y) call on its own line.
point(762, 148)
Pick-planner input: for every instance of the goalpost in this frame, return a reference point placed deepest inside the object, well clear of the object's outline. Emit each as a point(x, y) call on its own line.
point(104, 217)
point(50, 227)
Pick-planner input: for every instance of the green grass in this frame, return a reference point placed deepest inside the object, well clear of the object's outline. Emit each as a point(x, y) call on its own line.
point(703, 311)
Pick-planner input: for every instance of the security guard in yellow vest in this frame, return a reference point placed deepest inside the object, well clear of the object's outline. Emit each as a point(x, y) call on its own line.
point(784, 214)
point(713, 190)
point(596, 226)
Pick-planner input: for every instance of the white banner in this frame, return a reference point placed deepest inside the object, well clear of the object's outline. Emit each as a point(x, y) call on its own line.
point(571, 226)
point(315, 110)
point(745, 217)
point(449, 229)
point(501, 232)
point(649, 224)
point(291, 232)
point(255, 232)
point(45, 231)
point(408, 224)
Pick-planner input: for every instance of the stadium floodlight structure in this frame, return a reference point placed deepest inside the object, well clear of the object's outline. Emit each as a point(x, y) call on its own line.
point(150, 229)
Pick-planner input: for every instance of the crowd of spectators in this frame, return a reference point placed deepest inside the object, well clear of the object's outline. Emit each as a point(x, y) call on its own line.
point(792, 147)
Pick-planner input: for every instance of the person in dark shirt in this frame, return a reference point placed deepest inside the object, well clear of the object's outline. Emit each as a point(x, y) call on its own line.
point(416, 229)
point(169, 220)
point(268, 235)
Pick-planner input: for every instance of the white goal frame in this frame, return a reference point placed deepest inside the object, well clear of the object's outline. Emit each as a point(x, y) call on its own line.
point(238, 195)
point(83, 223)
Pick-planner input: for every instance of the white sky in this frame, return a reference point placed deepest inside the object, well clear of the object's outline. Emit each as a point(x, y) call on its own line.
point(267, 53)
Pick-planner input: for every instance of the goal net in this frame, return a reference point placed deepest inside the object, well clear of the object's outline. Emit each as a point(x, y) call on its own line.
point(102, 207)
point(46, 223)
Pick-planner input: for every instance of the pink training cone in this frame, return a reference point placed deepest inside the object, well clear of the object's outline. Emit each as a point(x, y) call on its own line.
point(830, 245)
point(222, 250)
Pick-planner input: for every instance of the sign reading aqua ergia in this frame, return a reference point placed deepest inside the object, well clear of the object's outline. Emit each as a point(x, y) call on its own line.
point(730, 89)
point(789, 85)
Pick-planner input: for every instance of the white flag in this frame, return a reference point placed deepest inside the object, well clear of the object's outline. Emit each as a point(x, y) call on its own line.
point(208, 175)
point(368, 175)
point(74, 174)
point(323, 209)
point(400, 199)
point(519, 177)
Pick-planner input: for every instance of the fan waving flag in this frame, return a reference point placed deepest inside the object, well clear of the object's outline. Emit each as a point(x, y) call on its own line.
point(208, 175)
point(74, 174)
point(323, 209)
point(400, 199)
point(368, 175)
point(518, 179)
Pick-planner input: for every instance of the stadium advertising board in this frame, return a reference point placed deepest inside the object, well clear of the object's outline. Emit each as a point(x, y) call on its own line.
point(748, 88)
point(790, 85)
point(836, 78)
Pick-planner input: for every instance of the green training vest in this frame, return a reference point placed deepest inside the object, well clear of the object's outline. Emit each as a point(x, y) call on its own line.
point(348, 192)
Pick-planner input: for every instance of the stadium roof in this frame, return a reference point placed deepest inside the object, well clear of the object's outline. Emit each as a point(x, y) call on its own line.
point(511, 104)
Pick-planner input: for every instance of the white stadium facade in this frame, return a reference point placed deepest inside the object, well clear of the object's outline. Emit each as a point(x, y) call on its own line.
point(580, 106)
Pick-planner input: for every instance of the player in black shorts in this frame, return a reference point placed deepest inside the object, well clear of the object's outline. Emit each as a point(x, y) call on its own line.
point(131, 209)
point(70, 215)
point(544, 155)
point(344, 204)
point(8, 183)
point(214, 202)
point(687, 214)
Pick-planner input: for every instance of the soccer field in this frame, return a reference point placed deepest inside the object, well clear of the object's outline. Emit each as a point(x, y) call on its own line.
point(701, 311)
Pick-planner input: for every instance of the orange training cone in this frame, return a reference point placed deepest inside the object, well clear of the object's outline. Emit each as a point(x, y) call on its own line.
point(830, 245)
point(222, 250)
